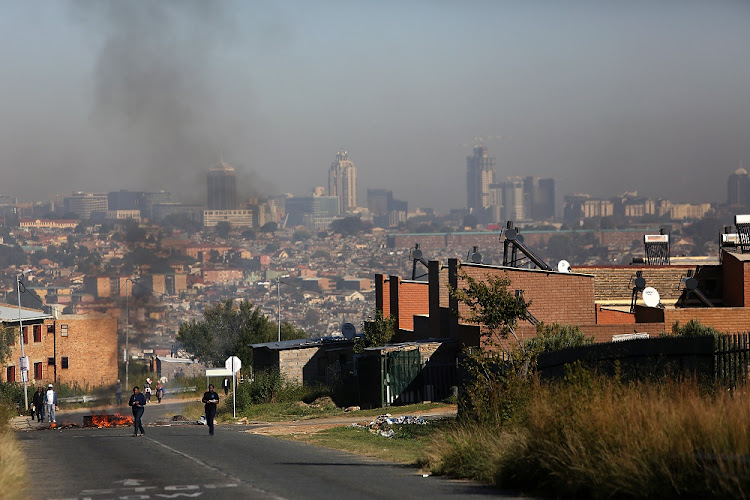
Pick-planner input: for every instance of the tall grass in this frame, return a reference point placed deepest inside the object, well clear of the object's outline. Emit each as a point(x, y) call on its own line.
point(598, 438)
point(12, 462)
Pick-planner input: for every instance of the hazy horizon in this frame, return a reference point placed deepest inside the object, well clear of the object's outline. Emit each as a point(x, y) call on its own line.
point(605, 97)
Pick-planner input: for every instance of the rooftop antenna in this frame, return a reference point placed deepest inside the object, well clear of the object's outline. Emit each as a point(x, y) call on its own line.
point(657, 248)
point(513, 244)
point(639, 284)
point(416, 256)
point(474, 256)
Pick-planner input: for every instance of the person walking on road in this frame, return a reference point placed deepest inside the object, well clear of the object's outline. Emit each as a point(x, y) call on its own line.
point(50, 403)
point(211, 399)
point(147, 390)
point(118, 392)
point(38, 402)
point(159, 391)
point(225, 385)
point(137, 403)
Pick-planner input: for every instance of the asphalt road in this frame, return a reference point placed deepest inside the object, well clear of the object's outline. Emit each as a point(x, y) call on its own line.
point(182, 461)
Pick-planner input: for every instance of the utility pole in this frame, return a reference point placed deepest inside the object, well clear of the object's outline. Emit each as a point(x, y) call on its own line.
point(278, 295)
point(127, 337)
point(24, 364)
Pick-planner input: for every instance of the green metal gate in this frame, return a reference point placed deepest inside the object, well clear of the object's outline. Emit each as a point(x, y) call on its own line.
point(402, 369)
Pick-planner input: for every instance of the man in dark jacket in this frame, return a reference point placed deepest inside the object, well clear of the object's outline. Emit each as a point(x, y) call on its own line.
point(211, 399)
point(38, 402)
point(137, 402)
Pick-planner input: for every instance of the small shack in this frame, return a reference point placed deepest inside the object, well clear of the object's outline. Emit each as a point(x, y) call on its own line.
point(409, 372)
point(306, 361)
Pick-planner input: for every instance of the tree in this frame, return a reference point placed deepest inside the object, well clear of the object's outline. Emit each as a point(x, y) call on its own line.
point(269, 227)
point(7, 339)
point(222, 229)
point(350, 226)
point(376, 332)
point(491, 306)
point(229, 330)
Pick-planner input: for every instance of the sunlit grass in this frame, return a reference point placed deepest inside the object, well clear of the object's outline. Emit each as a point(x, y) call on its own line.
point(605, 439)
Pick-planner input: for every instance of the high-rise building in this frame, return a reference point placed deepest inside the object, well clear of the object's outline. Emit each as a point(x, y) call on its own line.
point(738, 189)
point(222, 187)
point(84, 204)
point(313, 212)
point(480, 175)
point(342, 182)
point(539, 198)
point(386, 210)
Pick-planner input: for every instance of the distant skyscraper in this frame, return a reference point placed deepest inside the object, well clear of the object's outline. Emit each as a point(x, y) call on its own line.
point(342, 182)
point(539, 198)
point(738, 189)
point(480, 175)
point(222, 187)
point(84, 204)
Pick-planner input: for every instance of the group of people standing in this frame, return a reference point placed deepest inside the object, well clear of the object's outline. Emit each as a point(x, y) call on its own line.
point(44, 404)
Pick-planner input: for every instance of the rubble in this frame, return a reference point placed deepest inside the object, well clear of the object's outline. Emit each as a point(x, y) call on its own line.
point(382, 424)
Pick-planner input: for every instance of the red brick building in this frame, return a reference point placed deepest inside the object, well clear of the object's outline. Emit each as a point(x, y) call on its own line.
point(595, 298)
point(80, 349)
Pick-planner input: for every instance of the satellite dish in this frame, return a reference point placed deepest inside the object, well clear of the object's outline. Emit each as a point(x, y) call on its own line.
point(651, 297)
point(511, 233)
point(416, 254)
point(348, 331)
point(476, 258)
point(563, 266)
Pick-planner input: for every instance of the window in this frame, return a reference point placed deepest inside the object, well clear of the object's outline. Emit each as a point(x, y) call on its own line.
point(50, 361)
point(25, 334)
point(63, 330)
point(10, 374)
point(50, 328)
point(37, 333)
point(64, 362)
point(37, 371)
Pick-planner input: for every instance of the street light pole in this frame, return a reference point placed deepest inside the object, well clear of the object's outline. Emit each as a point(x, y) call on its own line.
point(24, 377)
point(127, 336)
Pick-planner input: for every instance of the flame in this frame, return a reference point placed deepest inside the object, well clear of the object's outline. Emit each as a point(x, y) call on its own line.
point(105, 420)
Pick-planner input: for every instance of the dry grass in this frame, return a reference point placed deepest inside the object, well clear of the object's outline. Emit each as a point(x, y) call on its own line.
point(602, 439)
point(12, 468)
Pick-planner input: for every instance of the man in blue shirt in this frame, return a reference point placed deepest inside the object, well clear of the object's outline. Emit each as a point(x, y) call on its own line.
point(211, 399)
point(137, 403)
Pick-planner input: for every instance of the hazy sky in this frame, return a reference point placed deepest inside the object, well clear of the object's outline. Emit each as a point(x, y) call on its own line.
point(605, 96)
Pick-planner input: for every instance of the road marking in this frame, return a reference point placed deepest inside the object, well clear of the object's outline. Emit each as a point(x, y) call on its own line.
point(216, 470)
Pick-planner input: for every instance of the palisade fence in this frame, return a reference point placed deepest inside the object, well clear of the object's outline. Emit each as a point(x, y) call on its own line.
point(723, 359)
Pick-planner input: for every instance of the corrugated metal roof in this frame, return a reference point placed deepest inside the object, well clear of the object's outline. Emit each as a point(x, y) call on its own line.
point(9, 314)
point(300, 343)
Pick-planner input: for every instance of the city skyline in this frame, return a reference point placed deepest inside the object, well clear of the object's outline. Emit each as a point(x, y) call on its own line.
point(603, 97)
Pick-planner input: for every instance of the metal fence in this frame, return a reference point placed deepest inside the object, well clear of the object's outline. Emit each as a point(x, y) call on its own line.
point(732, 359)
point(724, 359)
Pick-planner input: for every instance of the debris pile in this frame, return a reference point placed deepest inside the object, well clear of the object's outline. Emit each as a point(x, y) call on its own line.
point(382, 424)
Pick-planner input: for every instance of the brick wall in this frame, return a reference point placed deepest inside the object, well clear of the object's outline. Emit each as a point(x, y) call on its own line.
point(724, 319)
point(564, 298)
point(413, 299)
point(91, 349)
point(606, 316)
point(736, 275)
point(296, 364)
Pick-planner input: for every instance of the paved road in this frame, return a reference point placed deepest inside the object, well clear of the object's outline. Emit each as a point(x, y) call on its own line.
point(182, 461)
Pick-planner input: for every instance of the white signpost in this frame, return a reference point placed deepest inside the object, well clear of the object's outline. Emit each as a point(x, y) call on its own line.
point(233, 364)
